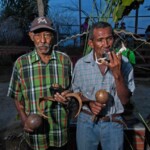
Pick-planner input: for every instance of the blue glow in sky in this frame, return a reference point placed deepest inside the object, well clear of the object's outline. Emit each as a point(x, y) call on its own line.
point(86, 5)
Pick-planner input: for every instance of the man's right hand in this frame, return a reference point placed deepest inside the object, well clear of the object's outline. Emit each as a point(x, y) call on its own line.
point(26, 127)
point(96, 107)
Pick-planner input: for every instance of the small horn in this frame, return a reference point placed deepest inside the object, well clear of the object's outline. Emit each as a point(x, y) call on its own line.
point(50, 98)
point(76, 96)
point(43, 99)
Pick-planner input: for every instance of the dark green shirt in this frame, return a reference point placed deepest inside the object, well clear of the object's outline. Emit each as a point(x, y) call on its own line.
point(30, 80)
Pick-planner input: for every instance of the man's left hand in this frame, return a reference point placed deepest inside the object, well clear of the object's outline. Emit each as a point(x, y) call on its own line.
point(61, 97)
point(114, 64)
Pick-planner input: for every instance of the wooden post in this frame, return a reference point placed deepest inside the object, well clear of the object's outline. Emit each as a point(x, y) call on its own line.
point(40, 8)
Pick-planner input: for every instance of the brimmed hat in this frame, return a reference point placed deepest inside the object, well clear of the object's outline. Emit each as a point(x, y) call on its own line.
point(41, 22)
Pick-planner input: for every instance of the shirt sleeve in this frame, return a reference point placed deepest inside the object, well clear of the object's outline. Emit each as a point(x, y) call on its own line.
point(76, 80)
point(128, 75)
point(14, 89)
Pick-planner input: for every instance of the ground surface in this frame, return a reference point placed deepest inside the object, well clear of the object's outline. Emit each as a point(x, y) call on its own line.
point(10, 127)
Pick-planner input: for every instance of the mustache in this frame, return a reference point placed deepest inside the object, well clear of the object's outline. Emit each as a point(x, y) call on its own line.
point(43, 45)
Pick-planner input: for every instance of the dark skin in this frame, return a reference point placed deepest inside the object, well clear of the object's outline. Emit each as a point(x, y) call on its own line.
point(42, 41)
point(103, 42)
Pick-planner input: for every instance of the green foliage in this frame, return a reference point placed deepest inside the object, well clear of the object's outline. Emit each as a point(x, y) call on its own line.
point(124, 8)
point(23, 11)
point(117, 13)
point(16, 16)
point(127, 2)
point(129, 54)
point(116, 9)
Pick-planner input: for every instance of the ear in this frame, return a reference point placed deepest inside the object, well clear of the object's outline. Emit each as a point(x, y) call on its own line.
point(31, 34)
point(90, 43)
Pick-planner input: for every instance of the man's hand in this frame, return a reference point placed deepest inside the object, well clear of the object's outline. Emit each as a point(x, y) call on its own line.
point(96, 107)
point(27, 128)
point(22, 114)
point(61, 97)
point(114, 64)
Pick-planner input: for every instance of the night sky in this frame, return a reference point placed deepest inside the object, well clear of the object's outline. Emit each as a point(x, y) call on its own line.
point(143, 19)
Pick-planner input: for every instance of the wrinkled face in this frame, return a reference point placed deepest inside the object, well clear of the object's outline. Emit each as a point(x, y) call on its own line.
point(42, 41)
point(102, 40)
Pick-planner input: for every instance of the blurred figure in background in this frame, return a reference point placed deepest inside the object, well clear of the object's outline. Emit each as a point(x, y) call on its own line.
point(147, 33)
point(84, 28)
point(123, 26)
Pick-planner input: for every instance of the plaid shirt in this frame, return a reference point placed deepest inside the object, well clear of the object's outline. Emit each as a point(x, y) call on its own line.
point(31, 79)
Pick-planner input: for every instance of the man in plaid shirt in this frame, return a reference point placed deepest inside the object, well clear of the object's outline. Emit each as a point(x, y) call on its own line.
point(32, 76)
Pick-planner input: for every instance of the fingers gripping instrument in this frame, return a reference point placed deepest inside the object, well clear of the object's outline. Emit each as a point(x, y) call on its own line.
point(102, 97)
point(105, 56)
point(57, 88)
point(34, 121)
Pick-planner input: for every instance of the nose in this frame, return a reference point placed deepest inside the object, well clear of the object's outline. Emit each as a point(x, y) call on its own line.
point(105, 43)
point(42, 38)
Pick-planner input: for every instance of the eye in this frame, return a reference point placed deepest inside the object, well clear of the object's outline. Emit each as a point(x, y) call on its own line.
point(48, 35)
point(36, 34)
point(110, 38)
point(100, 40)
